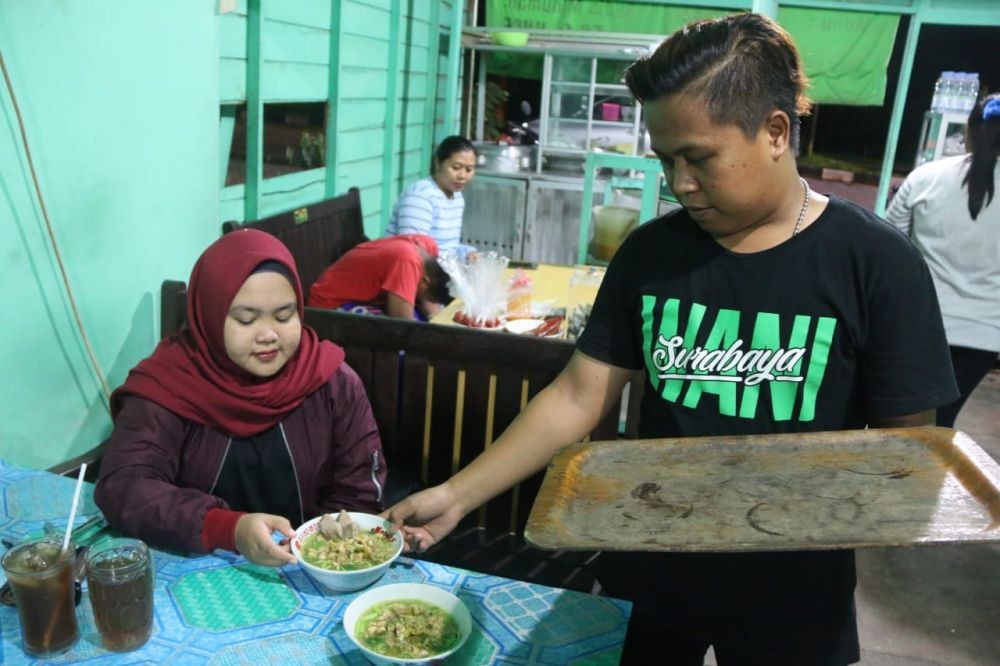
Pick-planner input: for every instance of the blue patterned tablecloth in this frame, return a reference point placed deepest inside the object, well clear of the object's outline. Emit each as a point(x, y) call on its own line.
point(220, 609)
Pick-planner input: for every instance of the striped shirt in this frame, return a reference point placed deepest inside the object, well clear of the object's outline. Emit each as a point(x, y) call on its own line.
point(425, 209)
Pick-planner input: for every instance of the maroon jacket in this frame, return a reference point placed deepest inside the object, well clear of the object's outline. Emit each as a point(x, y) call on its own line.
point(159, 469)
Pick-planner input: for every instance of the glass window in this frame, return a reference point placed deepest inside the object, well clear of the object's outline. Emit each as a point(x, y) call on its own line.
point(294, 140)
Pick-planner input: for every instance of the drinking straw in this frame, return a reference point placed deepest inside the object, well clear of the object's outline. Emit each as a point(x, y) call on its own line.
point(72, 511)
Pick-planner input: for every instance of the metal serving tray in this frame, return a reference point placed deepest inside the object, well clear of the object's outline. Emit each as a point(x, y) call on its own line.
point(879, 487)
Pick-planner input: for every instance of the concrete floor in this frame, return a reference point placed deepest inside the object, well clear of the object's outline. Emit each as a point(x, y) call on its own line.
point(935, 605)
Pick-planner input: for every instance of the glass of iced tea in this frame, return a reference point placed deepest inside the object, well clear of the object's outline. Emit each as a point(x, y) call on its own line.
point(120, 583)
point(41, 575)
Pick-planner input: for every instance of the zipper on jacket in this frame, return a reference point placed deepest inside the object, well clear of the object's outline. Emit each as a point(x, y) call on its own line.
point(375, 469)
point(295, 473)
point(218, 473)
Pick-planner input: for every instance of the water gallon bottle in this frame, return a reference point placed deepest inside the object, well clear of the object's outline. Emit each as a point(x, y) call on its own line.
point(936, 101)
point(969, 89)
point(973, 90)
point(941, 87)
point(961, 93)
point(951, 100)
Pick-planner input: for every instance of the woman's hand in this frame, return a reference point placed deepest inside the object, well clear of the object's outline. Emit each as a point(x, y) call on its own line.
point(432, 514)
point(254, 541)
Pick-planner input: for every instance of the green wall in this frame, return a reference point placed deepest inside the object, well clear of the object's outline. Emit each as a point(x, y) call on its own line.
point(295, 52)
point(119, 103)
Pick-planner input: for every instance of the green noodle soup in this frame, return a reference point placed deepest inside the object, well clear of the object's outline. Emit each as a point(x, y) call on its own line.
point(361, 551)
point(407, 629)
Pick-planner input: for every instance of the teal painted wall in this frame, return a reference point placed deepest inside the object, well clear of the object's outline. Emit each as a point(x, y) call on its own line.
point(120, 102)
point(295, 51)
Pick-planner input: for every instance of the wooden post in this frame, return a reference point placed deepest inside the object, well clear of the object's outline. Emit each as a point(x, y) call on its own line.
point(391, 115)
point(255, 115)
point(333, 100)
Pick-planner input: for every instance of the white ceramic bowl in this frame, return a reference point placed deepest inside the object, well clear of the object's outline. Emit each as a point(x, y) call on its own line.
point(405, 591)
point(346, 581)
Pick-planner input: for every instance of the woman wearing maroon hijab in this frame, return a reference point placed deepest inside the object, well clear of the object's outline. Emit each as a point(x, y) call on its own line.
point(242, 424)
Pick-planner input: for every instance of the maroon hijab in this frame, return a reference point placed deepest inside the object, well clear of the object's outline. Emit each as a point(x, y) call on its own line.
point(190, 373)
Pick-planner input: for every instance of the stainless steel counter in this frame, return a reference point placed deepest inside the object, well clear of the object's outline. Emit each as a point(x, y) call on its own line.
point(526, 215)
point(557, 176)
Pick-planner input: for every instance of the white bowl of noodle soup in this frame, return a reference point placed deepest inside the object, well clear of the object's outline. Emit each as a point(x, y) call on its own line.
point(356, 575)
point(383, 600)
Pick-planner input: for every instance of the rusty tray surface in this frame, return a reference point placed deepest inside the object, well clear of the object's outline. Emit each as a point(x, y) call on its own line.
point(884, 487)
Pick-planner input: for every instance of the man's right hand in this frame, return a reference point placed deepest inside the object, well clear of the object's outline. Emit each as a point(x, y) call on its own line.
point(425, 517)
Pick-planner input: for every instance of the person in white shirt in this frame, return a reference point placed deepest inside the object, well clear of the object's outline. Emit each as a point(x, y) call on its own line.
point(433, 206)
point(947, 209)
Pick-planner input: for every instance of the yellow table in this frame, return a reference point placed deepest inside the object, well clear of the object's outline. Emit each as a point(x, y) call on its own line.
point(562, 286)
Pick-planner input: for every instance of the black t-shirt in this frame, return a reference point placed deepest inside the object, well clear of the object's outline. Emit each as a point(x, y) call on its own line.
point(834, 327)
point(258, 476)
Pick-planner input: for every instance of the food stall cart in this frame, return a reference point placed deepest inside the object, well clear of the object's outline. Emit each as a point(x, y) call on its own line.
point(525, 201)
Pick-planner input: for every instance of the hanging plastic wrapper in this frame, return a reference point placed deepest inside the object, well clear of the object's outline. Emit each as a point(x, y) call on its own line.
point(481, 285)
point(519, 296)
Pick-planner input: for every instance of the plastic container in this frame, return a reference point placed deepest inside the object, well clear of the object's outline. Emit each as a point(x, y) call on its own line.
point(611, 225)
point(510, 38)
point(519, 296)
point(974, 89)
point(968, 91)
point(610, 111)
point(938, 101)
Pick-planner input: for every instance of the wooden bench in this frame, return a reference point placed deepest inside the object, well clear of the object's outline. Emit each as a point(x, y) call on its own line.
point(316, 235)
point(440, 396)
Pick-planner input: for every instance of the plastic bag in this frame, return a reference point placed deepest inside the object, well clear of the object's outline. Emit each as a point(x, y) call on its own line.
point(482, 285)
point(519, 297)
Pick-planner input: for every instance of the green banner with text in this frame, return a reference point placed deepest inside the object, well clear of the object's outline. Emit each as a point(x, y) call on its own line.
point(846, 54)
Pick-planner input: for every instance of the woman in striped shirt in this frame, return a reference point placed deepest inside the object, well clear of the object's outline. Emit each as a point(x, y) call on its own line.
point(433, 206)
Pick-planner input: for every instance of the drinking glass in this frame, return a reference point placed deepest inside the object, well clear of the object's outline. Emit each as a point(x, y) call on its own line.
point(40, 573)
point(120, 579)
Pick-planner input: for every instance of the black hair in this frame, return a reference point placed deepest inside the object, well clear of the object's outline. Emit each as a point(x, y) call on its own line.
point(983, 137)
point(451, 145)
point(438, 288)
point(743, 66)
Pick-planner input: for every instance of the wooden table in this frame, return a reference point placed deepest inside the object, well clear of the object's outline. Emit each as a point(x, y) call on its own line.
point(220, 609)
point(562, 286)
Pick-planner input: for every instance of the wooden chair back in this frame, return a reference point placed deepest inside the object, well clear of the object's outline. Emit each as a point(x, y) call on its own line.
point(316, 235)
point(442, 394)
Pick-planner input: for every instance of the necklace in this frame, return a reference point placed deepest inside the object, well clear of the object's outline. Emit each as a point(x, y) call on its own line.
point(805, 205)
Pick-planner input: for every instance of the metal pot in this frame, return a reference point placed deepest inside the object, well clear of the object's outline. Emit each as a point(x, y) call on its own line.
point(502, 158)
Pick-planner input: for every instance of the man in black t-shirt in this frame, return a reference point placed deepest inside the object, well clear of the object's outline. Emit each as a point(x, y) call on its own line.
point(821, 332)
point(761, 307)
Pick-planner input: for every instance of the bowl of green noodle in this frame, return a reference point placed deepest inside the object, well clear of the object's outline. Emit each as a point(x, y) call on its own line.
point(407, 623)
point(347, 564)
